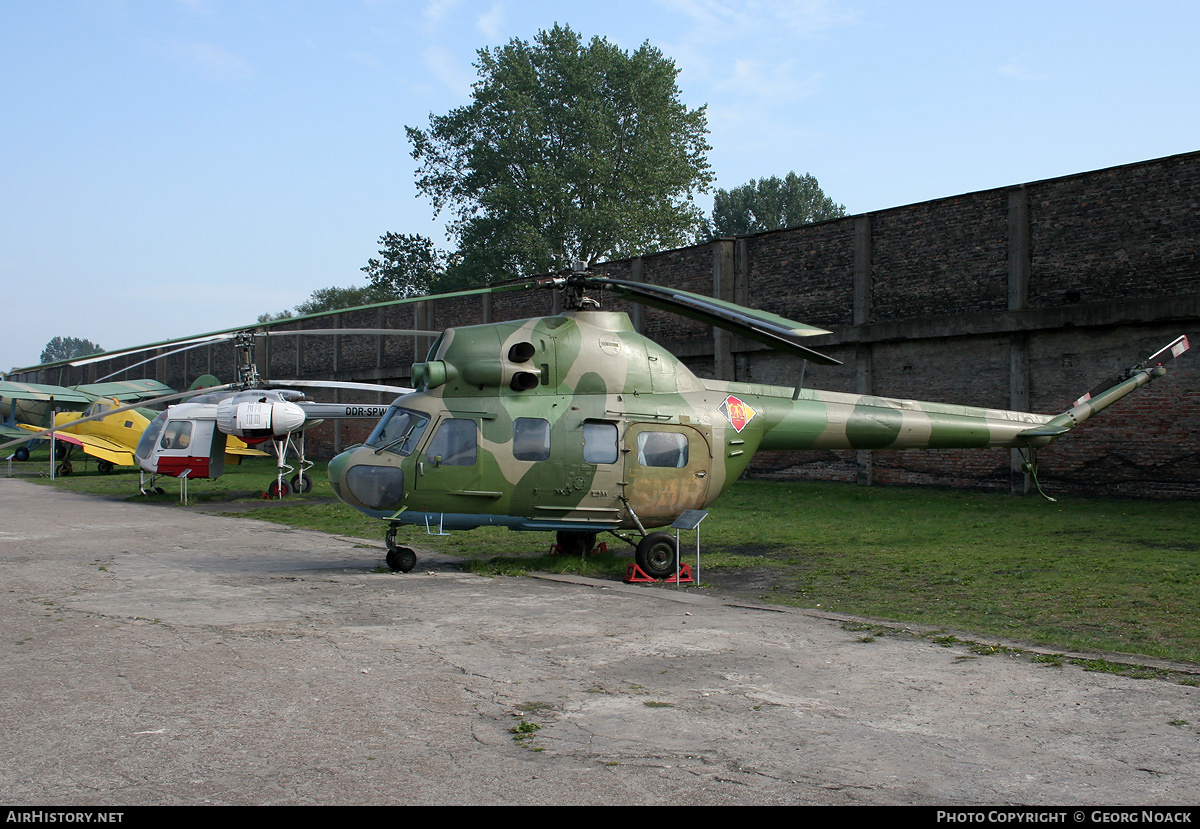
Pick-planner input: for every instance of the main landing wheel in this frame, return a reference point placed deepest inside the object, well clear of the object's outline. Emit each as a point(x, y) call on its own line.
point(64, 468)
point(22, 453)
point(575, 543)
point(277, 489)
point(301, 483)
point(105, 467)
point(655, 554)
point(60, 451)
point(401, 559)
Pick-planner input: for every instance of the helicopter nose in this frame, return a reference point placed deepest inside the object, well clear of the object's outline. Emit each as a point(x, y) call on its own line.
point(337, 472)
point(363, 484)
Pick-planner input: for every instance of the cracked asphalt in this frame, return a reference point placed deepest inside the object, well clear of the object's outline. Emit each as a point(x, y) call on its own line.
point(154, 654)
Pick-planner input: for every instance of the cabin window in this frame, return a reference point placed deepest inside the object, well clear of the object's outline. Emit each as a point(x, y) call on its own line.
point(664, 449)
point(178, 435)
point(531, 439)
point(453, 444)
point(599, 442)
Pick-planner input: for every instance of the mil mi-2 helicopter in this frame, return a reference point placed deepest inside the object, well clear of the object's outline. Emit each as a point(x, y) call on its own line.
point(577, 424)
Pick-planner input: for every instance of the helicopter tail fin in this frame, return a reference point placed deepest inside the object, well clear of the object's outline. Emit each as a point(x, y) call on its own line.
point(1110, 391)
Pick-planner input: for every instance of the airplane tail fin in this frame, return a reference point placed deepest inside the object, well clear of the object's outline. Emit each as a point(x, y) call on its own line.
point(204, 381)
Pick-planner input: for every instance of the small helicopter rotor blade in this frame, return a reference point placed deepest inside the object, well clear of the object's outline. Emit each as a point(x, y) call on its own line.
point(118, 410)
point(1170, 351)
point(760, 326)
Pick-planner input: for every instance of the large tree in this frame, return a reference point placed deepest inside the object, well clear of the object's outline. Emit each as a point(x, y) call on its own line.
point(68, 348)
point(568, 151)
point(409, 265)
point(771, 204)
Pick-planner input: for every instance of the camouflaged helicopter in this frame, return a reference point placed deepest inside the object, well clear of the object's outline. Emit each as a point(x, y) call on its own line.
point(577, 424)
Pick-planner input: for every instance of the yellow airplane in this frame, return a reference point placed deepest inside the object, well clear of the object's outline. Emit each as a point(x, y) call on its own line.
point(110, 439)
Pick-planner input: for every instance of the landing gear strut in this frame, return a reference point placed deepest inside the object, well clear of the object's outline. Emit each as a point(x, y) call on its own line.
point(399, 559)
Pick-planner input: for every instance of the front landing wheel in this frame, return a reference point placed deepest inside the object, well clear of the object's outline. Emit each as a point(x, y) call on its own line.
point(401, 559)
point(656, 555)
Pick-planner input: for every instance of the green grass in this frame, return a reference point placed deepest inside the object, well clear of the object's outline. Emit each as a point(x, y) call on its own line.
point(1074, 575)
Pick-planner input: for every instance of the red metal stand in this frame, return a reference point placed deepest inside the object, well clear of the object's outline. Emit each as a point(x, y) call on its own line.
point(636, 575)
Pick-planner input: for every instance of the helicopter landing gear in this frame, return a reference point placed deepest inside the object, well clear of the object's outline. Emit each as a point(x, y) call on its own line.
point(399, 559)
point(656, 555)
point(575, 543)
point(104, 467)
point(22, 453)
point(277, 489)
point(301, 483)
point(148, 487)
point(64, 468)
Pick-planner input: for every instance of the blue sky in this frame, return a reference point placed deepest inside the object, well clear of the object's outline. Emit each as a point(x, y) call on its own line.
point(171, 167)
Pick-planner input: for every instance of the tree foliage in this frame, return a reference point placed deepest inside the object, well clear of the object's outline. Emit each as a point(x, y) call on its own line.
point(567, 151)
point(771, 204)
point(335, 299)
point(410, 265)
point(68, 348)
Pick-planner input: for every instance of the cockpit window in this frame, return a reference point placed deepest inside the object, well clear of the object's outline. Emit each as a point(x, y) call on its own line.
point(178, 435)
point(398, 431)
point(150, 436)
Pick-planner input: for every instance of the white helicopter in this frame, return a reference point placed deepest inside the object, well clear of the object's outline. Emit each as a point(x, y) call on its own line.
point(189, 439)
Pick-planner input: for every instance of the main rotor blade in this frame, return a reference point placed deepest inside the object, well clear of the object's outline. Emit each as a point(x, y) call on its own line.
point(198, 342)
point(337, 384)
point(399, 332)
point(201, 344)
point(760, 326)
point(194, 342)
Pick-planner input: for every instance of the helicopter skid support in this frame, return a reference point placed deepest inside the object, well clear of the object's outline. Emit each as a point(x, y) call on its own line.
point(636, 575)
